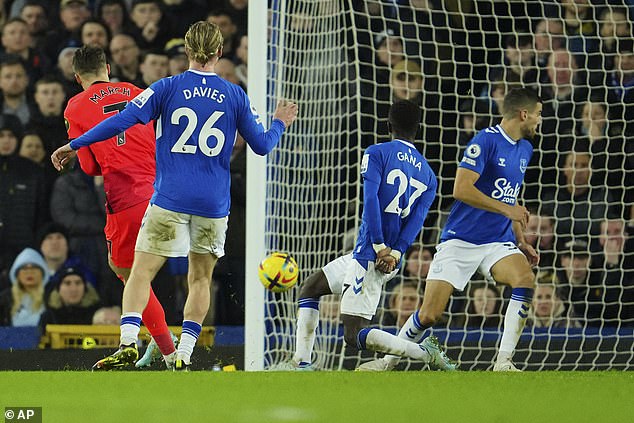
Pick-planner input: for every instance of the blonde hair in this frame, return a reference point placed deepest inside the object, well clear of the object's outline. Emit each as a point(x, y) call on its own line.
point(202, 41)
point(37, 295)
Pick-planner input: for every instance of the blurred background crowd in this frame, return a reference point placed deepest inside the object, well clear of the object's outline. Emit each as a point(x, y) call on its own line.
point(455, 58)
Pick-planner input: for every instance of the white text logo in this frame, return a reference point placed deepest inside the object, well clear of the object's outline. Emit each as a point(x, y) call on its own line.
point(505, 192)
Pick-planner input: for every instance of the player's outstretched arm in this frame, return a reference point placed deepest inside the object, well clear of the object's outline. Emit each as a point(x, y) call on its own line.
point(251, 128)
point(464, 189)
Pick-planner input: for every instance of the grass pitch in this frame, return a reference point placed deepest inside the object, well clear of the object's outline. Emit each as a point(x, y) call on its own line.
point(323, 396)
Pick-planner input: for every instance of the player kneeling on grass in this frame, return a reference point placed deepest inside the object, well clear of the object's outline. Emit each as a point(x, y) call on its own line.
point(399, 187)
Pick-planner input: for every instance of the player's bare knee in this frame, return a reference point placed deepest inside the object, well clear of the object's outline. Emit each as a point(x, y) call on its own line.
point(525, 280)
point(202, 282)
point(428, 317)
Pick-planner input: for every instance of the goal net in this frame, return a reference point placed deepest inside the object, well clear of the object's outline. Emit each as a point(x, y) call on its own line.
point(345, 61)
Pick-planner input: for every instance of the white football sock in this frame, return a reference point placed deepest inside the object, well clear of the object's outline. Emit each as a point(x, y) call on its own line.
point(411, 331)
point(514, 321)
point(130, 327)
point(307, 321)
point(381, 341)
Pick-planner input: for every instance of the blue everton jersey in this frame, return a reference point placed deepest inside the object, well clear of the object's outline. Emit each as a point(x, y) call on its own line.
point(398, 189)
point(198, 115)
point(501, 163)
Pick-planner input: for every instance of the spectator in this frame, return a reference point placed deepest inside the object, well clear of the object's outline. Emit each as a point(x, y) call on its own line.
point(548, 309)
point(495, 98)
point(229, 31)
point(77, 205)
point(47, 117)
point(23, 195)
point(375, 73)
point(23, 303)
point(107, 316)
point(518, 64)
point(614, 25)
point(64, 72)
point(72, 13)
point(154, 66)
point(616, 292)
point(612, 162)
point(581, 31)
point(16, 40)
point(175, 50)
point(577, 282)
point(114, 14)
point(561, 94)
point(578, 207)
point(35, 15)
point(18, 5)
point(403, 301)
point(617, 251)
point(548, 38)
point(53, 243)
point(239, 13)
point(621, 89)
point(417, 260)
point(150, 27)
point(13, 83)
point(32, 148)
point(95, 32)
point(475, 115)
point(183, 13)
point(484, 307)
point(125, 58)
point(430, 45)
point(407, 81)
point(71, 302)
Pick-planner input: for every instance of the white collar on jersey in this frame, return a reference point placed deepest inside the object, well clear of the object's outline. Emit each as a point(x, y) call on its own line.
point(201, 72)
point(407, 143)
point(505, 135)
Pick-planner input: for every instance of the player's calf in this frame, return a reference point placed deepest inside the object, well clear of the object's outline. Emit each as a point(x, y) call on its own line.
point(352, 326)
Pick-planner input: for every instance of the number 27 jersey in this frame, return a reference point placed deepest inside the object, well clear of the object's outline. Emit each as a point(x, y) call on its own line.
point(405, 189)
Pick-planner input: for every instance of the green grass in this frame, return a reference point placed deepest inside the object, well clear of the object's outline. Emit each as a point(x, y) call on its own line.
point(531, 397)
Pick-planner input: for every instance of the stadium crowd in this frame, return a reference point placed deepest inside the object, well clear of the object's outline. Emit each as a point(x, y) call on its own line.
point(579, 185)
point(457, 59)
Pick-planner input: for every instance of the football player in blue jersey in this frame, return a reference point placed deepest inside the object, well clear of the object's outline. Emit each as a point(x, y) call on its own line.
point(485, 227)
point(398, 189)
point(198, 115)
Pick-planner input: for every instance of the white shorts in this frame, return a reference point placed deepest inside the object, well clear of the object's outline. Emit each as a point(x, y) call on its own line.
point(335, 272)
point(362, 289)
point(172, 234)
point(456, 261)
